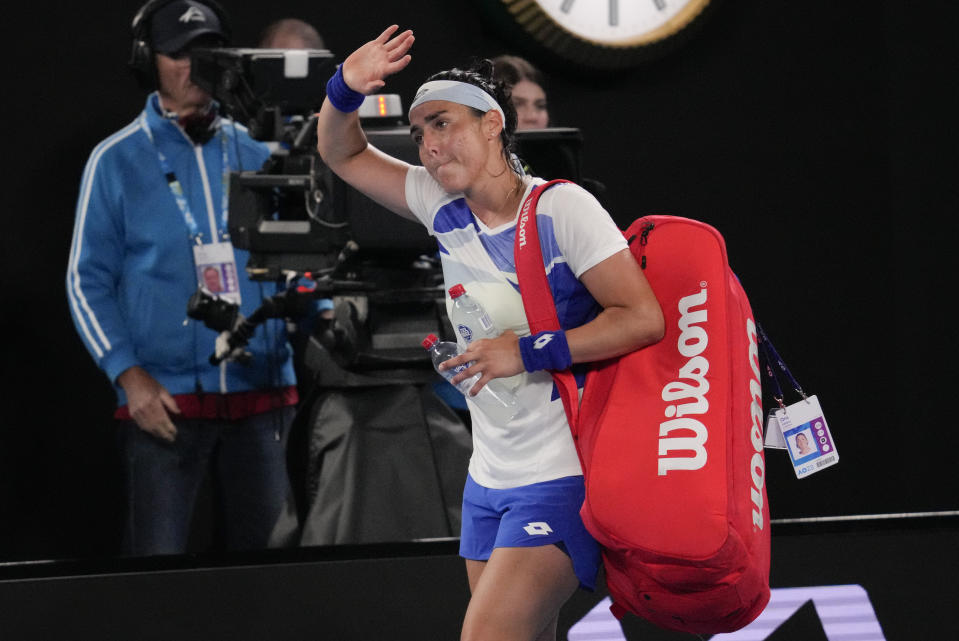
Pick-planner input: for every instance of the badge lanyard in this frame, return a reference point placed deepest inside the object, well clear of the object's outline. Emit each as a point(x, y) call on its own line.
point(196, 236)
point(772, 357)
point(214, 261)
point(799, 428)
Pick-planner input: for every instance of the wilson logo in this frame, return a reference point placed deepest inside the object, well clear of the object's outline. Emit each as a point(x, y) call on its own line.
point(687, 395)
point(523, 219)
point(757, 465)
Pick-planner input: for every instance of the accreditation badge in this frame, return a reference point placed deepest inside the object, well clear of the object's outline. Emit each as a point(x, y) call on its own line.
point(803, 427)
point(216, 271)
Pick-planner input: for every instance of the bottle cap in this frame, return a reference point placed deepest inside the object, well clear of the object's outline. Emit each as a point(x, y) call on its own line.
point(457, 290)
point(429, 341)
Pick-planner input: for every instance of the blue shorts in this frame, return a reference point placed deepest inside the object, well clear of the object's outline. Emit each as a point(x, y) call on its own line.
point(544, 513)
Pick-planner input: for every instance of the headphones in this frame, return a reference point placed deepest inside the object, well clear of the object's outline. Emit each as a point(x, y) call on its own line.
point(141, 62)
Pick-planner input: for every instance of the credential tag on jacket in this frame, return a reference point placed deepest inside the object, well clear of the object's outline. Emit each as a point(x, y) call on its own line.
point(216, 270)
point(803, 427)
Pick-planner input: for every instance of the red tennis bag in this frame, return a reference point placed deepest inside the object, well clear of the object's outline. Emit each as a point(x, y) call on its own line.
point(670, 436)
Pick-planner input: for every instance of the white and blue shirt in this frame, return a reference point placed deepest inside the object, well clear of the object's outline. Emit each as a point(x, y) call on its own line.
point(576, 233)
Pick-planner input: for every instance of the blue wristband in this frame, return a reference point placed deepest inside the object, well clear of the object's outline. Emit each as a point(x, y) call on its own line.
point(340, 95)
point(546, 350)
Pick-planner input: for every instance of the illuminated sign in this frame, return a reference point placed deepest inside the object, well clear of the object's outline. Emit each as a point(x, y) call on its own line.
point(844, 611)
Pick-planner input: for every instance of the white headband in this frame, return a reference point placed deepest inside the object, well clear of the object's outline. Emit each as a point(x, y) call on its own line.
point(462, 93)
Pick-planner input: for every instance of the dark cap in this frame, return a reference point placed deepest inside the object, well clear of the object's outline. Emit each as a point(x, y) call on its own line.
point(178, 23)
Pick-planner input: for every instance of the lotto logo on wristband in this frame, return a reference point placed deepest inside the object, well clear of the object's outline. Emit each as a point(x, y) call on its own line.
point(542, 341)
point(542, 352)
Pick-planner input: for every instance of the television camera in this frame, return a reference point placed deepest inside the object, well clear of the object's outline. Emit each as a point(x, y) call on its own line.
point(297, 219)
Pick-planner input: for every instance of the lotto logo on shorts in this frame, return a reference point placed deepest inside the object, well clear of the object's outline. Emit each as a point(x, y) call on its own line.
point(539, 527)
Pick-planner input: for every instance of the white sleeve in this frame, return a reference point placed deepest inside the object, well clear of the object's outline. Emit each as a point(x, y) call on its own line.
point(585, 232)
point(422, 195)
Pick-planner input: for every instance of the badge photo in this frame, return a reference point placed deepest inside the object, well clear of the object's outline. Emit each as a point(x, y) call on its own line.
point(216, 271)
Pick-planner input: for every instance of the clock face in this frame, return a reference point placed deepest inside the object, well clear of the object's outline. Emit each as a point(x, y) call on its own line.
point(599, 34)
point(622, 23)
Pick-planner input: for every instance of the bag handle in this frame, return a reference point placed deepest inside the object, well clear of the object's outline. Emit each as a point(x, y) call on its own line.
point(538, 300)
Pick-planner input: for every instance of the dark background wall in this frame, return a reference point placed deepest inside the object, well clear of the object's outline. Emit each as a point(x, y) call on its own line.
point(817, 136)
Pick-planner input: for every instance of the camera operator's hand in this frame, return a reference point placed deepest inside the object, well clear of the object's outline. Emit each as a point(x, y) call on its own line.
point(149, 402)
point(366, 69)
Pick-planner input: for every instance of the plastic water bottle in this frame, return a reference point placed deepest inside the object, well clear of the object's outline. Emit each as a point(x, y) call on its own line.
point(468, 317)
point(496, 400)
point(472, 323)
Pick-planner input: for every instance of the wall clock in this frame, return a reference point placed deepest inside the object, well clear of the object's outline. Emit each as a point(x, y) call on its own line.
point(600, 34)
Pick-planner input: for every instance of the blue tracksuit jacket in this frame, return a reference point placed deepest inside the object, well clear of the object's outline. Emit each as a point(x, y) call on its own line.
point(131, 269)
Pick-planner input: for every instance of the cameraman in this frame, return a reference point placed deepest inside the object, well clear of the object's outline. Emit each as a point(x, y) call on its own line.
point(150, 221)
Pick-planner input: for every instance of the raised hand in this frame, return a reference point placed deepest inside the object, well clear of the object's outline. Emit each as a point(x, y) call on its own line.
point(366, 69)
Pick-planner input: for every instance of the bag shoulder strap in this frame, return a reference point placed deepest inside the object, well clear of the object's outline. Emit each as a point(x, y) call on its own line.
point(537, 298)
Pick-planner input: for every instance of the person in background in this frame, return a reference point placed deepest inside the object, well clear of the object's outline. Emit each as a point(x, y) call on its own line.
point(527, 93)
point(152, 211)
point(290, 33)
point(528, 96)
